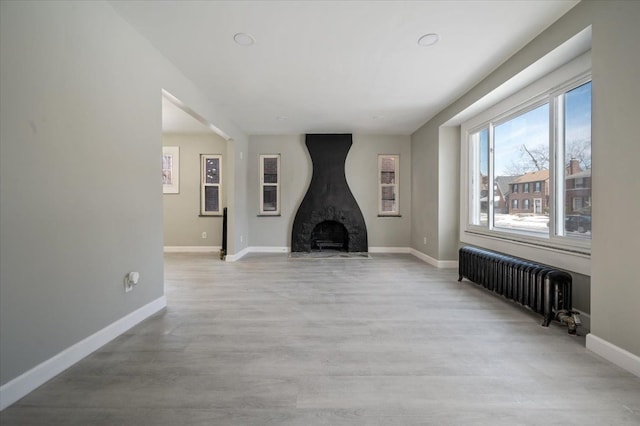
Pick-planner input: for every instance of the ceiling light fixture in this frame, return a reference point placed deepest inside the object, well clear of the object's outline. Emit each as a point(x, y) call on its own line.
point(244, 39)
point(428, 39)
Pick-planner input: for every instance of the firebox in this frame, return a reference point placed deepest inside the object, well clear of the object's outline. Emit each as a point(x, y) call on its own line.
point(329, 216)
point(329, 235)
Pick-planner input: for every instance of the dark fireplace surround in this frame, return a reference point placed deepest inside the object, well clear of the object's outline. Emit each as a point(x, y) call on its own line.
point(329, 216)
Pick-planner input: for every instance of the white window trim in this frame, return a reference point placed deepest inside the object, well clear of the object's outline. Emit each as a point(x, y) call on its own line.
point(263, 184)
point(203, 184)
point(561, 252)
point(396, 162)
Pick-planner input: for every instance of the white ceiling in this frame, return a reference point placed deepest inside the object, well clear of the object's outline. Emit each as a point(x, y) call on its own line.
point(338, 66)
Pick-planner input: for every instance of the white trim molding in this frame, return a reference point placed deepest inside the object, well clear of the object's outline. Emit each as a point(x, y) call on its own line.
point(406, 250)
point(267, 249)
point(256, 249)
point(239, 255)
point(434, 262)
point(192, 249)
point(620, 357)
point(22, 385)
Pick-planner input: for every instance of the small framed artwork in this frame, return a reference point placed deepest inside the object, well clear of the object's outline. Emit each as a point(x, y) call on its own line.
point(170, 170)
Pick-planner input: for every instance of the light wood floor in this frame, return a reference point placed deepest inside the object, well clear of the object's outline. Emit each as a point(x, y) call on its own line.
point(382, 341)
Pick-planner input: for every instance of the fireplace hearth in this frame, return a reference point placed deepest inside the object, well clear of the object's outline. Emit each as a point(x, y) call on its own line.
point(329, 217)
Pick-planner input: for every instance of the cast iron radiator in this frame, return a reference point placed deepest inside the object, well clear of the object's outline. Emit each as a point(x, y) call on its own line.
point(543, 289)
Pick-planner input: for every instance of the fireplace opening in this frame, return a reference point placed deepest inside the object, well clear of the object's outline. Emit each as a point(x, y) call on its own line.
point(329, 235)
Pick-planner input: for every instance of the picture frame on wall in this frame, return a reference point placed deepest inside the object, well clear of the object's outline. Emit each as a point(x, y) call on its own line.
point(170, 170)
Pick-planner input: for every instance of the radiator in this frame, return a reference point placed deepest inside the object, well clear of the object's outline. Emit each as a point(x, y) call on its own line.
point(541, 288)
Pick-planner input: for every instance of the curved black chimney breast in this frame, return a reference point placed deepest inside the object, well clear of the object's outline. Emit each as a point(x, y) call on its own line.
point(329, 197)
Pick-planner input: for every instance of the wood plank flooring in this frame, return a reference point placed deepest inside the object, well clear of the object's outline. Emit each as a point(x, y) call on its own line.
point(383, 341)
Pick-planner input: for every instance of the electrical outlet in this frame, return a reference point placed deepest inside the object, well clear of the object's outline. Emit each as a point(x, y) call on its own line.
point(425, 241)
point(204, 235)
point(130, 280)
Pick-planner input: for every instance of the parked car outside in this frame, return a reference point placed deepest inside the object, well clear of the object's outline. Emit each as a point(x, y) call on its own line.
point(579, 223)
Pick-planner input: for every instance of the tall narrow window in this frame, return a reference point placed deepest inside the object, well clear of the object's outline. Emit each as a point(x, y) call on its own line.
point(210, 185)
point(521, 146)
point(388, 181)
point(480, 178)
point(574, 173)
point(270, 184)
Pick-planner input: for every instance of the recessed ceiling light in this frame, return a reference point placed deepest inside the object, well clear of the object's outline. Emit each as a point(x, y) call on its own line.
point(428, 39)
point(244, 39)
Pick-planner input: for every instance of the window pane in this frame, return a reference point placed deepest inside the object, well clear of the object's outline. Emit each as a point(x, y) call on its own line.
point(270, 170)
point(212, 170)
point(480, 178)
point(521, 158)
point(167, 167)
point(269, 198)
point(211, 199)
point(389, 198)
point(388, 170)
point(577, 163)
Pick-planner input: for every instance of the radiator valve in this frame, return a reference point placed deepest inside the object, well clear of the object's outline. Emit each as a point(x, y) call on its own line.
point(572, 319)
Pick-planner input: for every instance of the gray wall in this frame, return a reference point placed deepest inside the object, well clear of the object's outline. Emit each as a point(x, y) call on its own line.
point(361, 172)
point(183, 225)
point(616, 65)
point(80, 187)
point(424, 191)
point(615, 283)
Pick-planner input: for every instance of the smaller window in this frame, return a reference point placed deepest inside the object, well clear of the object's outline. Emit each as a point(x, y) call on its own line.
point(270, 184)
point(514, 204)
point(525, 187)
point(525, 205)
point(210, 185)
point(537, 186)
point(388, 176)
point(515, 187)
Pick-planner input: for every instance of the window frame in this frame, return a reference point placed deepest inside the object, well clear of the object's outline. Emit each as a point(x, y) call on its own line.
point(204, 184)
point(570, 253)
point(262, 211)
point(396, 184)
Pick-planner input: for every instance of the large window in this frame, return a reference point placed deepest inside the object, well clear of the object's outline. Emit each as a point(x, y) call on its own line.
point(388, 173)
point(541, 147)
point(270, 184)
point(210, 185)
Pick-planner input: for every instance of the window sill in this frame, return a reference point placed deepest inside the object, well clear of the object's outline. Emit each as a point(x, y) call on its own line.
point(268, 215)
point(389, 215)
point(210, 215)
point(574, 259)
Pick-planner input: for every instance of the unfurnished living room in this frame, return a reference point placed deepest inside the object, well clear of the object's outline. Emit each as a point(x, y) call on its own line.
point(319, 212)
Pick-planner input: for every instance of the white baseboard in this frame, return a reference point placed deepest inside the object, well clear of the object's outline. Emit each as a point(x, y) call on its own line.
point(192, 249)
point(17, 388)
point(266, 249)
point(235, 257)
point(435, 262)
point(389, 250)
point(610, 352)
point(256, 249)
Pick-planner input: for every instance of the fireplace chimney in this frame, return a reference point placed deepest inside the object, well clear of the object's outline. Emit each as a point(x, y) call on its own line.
point(329, 216)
